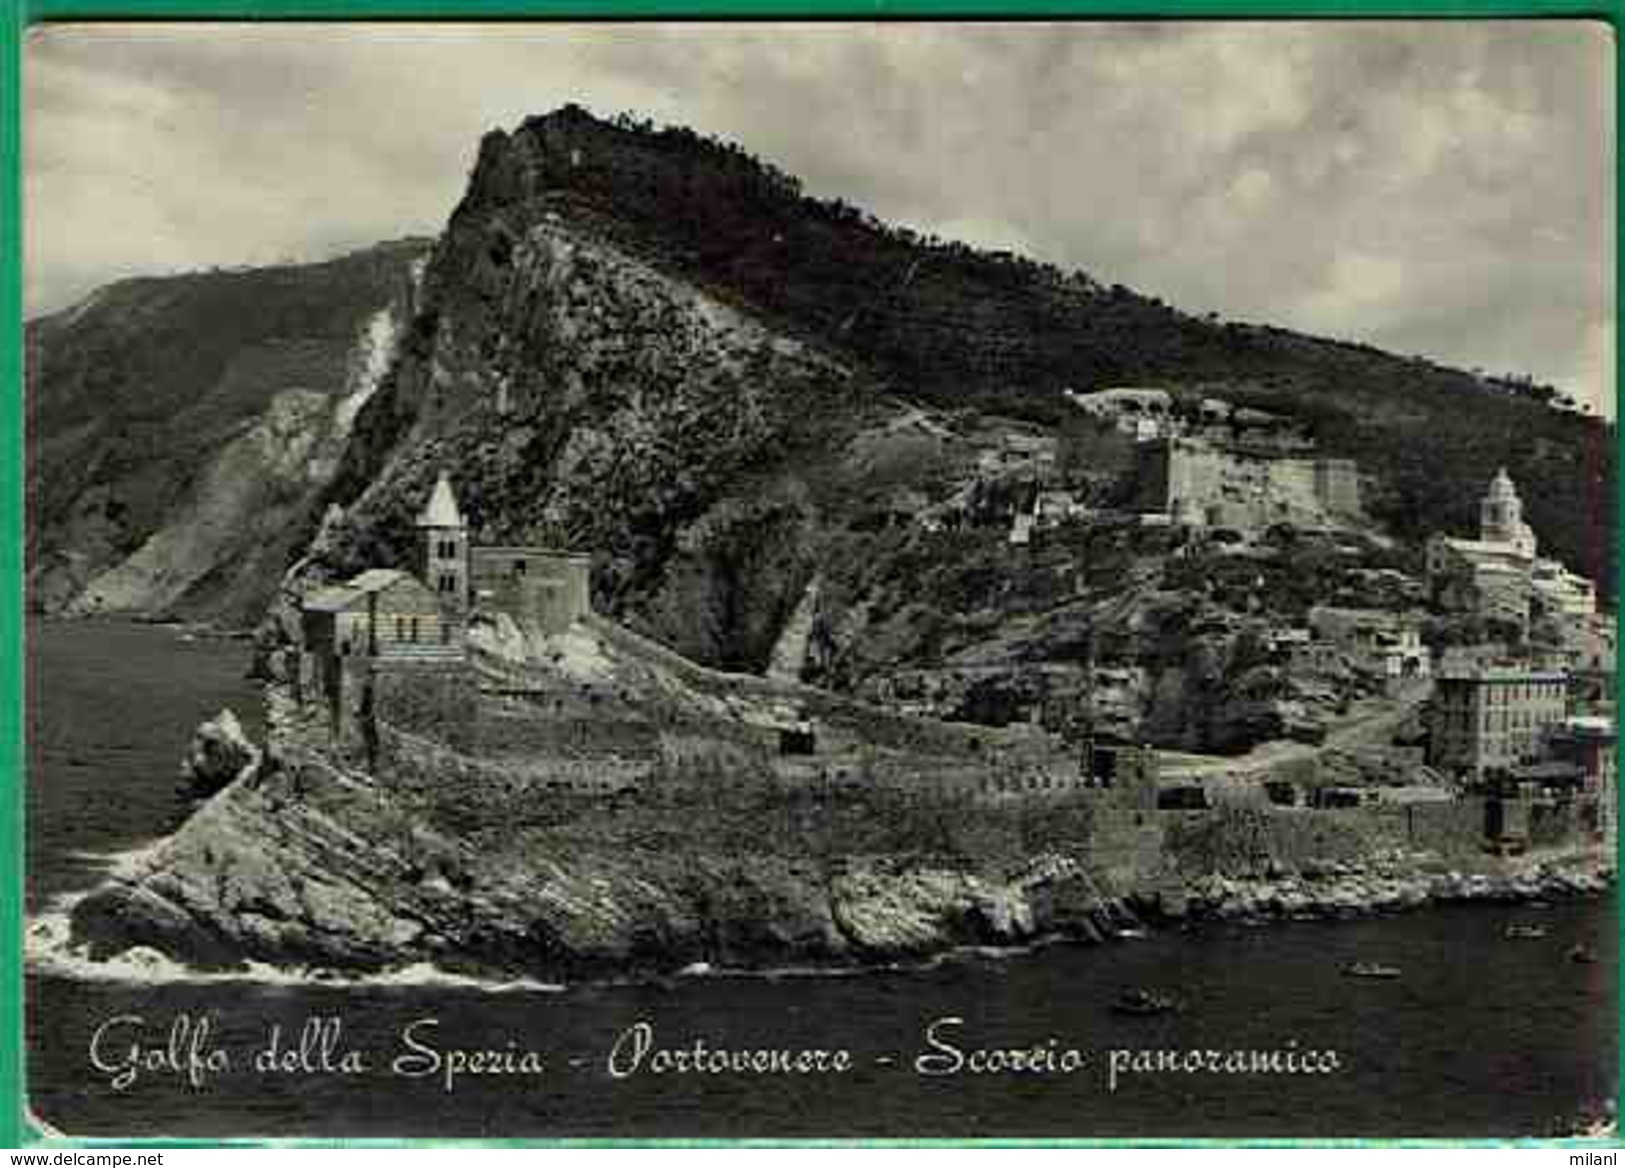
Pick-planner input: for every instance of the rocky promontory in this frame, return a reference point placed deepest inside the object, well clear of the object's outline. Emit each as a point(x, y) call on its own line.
point(301, 862)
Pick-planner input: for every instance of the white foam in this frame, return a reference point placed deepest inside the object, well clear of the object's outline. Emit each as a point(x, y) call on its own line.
point(49, 951)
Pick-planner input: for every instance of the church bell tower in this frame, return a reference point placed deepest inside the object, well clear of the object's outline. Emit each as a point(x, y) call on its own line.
point(444, 537)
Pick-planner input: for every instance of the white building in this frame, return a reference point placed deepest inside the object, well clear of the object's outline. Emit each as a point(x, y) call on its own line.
point(1500, 573)
point(1561, 592)
point(1144, 413)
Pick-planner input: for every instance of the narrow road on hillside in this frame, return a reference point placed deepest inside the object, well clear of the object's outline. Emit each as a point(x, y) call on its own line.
point(1372, 726)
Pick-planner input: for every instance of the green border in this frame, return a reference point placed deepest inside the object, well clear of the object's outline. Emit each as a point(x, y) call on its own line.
point(17, 15)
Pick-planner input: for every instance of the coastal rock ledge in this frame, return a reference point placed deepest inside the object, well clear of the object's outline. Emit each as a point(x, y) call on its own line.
point(298, 862)
point(301, 863)
point(1392, 884)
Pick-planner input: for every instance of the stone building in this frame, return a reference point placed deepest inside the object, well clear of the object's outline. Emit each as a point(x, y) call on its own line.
point(1383, 642)
point(443, 546)
point(1491, 717)
point(389, 639)
point(1587, 743)
point(382, 624)
point(1561, 593)
point(382, 612)
point(1115, 763)
point(1505, 547)
point(1054, 507)
point(542, 589)
point(1500, 517)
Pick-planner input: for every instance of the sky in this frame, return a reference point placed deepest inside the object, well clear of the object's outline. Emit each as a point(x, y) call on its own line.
point(1443, 189)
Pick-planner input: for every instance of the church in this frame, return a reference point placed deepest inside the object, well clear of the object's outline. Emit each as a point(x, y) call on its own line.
point(396, 616)
point(542, 589)
point(1500, 574)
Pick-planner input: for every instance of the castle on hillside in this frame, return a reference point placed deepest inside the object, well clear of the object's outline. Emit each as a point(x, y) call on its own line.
point(1500, 574)
point(1196, 482)
point(1210, 463)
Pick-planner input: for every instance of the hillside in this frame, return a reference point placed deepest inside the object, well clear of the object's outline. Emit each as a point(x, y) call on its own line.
point(652, 346)
point(941, 323)
point(180, 425)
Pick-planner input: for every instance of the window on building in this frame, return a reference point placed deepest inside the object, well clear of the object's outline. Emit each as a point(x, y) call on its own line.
point(400, 628)
point(414, 630)
point(519, 567)
point(448, 582)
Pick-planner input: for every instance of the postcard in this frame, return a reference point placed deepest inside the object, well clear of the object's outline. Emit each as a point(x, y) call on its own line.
point(821, 580)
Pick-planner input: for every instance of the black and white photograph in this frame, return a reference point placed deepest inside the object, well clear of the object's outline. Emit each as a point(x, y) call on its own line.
point(821, 580)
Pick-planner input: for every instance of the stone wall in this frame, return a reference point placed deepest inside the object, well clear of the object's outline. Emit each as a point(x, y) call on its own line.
point(1337, 485)
point(522, 729)
point(1126, 850)
point(1193, 482)
point(1095, 447)
point(1289, 490)
point(1252, 841)
point(438, 699)
point(543, 590)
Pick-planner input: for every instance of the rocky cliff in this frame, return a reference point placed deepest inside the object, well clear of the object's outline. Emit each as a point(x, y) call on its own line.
point(302, 862)
point(579, 396)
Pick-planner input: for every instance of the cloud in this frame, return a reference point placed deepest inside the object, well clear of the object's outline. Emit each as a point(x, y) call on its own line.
point(1439, 187)
point(1359, 286)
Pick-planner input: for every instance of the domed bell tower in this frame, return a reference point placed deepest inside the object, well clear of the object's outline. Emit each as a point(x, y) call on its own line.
point(1500, 516)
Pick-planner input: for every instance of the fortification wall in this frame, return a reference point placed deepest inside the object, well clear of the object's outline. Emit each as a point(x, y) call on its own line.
point(1194, 482)
point(1290, 488)
point(515, 730)
point(1337, 485)
point(1126, 847)
point(1095, 446)
point(1251, 841)
point(1450, 829)
point(593, 777)
point(840, 721)
point(480, 792)
point(435, 699)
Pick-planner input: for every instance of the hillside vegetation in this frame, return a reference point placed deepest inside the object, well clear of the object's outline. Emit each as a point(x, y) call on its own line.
point(135, 395)
point(941, 322)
